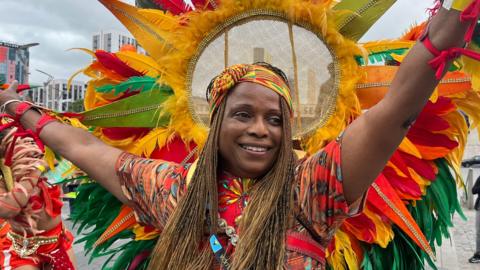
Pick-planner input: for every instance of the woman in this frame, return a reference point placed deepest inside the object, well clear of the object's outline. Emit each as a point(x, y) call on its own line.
point(35, 237)
point(289, 209)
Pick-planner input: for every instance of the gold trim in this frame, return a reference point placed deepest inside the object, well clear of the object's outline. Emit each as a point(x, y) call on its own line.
point(29, 245)
point(108, 232)
point(122, 113)
point(387, 84)
point(426, 246)
point(264, 14)
point(357, 14)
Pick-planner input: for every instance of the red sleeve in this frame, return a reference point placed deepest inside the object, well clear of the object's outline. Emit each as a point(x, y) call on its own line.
point(152, 186)
point(320, 191)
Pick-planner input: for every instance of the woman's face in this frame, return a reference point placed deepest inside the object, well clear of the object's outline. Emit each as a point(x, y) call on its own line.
point(251, 130)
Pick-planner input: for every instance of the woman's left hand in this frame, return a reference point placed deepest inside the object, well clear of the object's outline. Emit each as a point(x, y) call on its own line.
point(9, 93)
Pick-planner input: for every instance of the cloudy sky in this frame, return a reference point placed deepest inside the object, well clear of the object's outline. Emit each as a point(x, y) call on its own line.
point(62, 24)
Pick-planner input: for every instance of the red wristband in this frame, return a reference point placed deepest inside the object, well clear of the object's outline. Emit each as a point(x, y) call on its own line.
point(42, 122)
point(21, 108)
point(439, 63)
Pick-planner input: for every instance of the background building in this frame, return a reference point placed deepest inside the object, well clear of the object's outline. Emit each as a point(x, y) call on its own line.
point(112, 41)
point(14, 62)
point(55, 95)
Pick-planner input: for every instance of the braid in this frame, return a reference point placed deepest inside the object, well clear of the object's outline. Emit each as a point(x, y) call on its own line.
point(178, 247)
point(269, 212)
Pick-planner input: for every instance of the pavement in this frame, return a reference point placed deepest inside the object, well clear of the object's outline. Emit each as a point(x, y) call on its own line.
point(463, 235)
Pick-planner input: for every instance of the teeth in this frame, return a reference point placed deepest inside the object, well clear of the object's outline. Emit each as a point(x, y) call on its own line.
point(255, 148)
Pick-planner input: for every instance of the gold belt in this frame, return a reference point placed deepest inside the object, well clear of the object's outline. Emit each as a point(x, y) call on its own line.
point(26, 246)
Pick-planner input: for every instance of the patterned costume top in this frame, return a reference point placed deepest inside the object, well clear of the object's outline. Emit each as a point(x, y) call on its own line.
point(154, 187)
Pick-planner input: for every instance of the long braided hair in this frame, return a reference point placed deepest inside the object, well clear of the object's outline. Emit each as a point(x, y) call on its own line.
point(183, 244)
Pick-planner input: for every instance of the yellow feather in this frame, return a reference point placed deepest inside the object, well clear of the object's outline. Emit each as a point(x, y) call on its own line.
point(90, 52)
point(147, 34)
point(163, 20)
point(461, 4)
point(49, 157)
point(408, 147)
point(140, 62)
point(472, 67)
point(386, 45)
point(384, 229)
point(157, 137)
point(343, 257)
point(421, 181)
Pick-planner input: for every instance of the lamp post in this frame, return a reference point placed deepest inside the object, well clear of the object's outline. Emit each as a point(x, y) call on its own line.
point(45, 84)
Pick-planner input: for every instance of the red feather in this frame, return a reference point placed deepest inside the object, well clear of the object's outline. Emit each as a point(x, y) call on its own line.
point(422, 167)
point(120, 133)
point(443, 106)
point(363, 227)
point(176, 150)
point(178, 6)
point(424, 138)
point(397, 160)
point(112, 62)
point(376, 200)
point(403, 185)
point(431, 122)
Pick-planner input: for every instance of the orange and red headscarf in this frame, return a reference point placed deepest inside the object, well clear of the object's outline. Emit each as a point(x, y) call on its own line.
point(236, 74)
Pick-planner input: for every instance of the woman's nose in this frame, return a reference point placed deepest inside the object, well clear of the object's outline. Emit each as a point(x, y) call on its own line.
point(258, 128)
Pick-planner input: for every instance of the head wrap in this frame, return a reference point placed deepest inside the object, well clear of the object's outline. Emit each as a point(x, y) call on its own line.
point(236, 74)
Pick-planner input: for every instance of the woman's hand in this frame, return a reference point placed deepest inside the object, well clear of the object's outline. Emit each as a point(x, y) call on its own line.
point(9, 93)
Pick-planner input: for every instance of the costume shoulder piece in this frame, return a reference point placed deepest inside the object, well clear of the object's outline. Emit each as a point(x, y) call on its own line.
point(154, 105)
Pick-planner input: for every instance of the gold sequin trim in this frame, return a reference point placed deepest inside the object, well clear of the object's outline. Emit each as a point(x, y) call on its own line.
point(425, 245)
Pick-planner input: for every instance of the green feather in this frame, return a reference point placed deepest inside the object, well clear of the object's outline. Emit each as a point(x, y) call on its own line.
point(359, 15)
point(141, 110)
point(143, 84)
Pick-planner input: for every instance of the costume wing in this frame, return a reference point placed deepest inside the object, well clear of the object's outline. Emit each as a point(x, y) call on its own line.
point(144, 104)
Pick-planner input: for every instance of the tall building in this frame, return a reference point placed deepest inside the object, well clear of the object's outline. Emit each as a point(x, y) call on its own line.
point(56, 97)
point(112, 41)
point(261, 55)
point(312, 86)
point(14, 62)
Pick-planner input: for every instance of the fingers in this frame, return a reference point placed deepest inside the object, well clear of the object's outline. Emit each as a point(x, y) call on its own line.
point(13, 87)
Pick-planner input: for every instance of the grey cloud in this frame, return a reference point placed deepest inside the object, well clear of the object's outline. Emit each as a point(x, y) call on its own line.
point(62, 24)
point(57, 25)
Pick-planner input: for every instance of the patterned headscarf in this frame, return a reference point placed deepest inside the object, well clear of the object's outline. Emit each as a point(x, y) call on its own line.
point(236, 74)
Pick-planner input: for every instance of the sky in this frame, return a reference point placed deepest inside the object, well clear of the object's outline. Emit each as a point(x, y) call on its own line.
point(59, 25)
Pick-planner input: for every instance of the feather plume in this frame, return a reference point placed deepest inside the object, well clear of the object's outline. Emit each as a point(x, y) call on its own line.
point(111, 62)
point(142, 63)
point(150, 37)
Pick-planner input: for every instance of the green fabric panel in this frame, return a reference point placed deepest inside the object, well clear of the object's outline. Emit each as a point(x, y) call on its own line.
point(353, 26)
point(121, 113)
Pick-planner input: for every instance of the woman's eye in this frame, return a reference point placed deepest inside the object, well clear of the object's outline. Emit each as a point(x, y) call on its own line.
point(275, 120)
point(242, 115)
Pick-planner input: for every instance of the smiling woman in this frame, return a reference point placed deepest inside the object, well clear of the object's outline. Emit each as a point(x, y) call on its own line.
point(247, 200)
point(251, 133)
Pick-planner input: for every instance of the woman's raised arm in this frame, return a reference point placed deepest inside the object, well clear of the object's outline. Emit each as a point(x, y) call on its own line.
point(371, 139)
point(84, 150)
